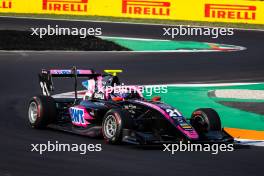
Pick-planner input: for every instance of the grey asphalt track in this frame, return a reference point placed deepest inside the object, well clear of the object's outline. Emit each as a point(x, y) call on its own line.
point(18, 76)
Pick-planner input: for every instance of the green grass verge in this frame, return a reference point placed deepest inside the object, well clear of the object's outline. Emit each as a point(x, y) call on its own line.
point(157, 45)
point(134, 20)
point(166, 45)
point(187, 99)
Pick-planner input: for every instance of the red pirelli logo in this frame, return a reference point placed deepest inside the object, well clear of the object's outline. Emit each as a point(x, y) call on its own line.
point(146, 7)
point(223, 11)
point(5, 4)
point(65, 5)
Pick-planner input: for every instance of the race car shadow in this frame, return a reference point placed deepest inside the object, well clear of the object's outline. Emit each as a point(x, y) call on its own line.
point(162, 146)
point(100, 139)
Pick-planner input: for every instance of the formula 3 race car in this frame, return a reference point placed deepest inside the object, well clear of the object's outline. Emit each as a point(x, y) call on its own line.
point(124, 116)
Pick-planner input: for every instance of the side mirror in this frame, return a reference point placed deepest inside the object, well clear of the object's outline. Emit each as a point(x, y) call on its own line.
point(157, 98)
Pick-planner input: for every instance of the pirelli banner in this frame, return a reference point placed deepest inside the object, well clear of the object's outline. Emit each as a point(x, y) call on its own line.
point(235, 11)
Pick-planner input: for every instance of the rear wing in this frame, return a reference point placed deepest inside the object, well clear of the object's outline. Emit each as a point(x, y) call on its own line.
point(71, 73)
point(46, 78)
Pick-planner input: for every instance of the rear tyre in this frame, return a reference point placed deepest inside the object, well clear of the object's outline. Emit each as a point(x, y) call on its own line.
point(41, 111)
point(205, 119)
point(115, 120)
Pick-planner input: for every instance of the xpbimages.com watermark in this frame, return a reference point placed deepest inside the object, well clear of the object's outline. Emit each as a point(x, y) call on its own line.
point(173, 32)
point(60, 147)
point(63, 31)
point(193, 147)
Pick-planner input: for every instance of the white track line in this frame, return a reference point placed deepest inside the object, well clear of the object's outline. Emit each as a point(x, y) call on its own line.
point(235, 48)
point(244, 94)
point(71, 94)
point(206, 85)
point(161, 51)
point(259, 143)
point(133, 38)
point(137, 23)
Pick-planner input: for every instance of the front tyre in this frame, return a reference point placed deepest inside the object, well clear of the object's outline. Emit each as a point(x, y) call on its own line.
point(115, 120)
point(205, 119)
point(41, 111)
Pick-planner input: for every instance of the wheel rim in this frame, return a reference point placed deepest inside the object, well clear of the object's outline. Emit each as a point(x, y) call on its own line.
point(110, 126)
point(33, 112)
point(200, 123)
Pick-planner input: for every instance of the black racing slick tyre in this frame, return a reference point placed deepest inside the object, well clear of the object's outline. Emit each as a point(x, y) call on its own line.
point(41, 111)
point(115, 120)
point(205, 119)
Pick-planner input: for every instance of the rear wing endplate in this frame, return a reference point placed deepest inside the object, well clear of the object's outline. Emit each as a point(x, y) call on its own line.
point(46, 81)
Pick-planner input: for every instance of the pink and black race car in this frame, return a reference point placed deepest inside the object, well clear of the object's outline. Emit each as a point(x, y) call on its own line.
point(124, 116)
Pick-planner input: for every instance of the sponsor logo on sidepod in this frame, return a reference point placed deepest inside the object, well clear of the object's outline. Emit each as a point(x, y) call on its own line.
point(65, 5)
point(77, 116)
point(146, 7)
